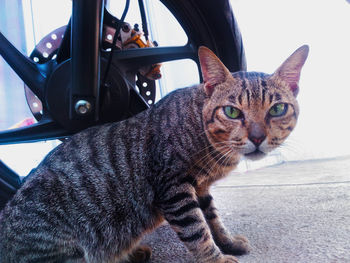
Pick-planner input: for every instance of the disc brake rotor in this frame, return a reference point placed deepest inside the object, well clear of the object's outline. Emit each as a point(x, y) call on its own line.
point(44, 51)
point(47, 49)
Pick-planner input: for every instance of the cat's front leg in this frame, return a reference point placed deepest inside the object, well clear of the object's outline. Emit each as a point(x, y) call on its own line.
point(237, 245)
point(181, 209)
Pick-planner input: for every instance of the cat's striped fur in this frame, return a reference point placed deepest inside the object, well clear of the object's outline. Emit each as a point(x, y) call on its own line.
point(94, 196)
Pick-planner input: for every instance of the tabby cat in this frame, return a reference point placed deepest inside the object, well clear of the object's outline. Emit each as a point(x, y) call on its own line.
point(94, 196)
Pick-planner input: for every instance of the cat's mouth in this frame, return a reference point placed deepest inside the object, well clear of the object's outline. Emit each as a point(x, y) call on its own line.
point(255, 155)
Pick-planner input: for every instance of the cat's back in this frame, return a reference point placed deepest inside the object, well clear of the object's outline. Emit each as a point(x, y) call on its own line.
point(111, 147)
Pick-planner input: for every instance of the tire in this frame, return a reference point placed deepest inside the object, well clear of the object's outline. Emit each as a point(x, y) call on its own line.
point(212, 24)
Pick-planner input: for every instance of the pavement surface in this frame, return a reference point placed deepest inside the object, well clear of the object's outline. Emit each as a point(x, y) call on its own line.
point(296, 212)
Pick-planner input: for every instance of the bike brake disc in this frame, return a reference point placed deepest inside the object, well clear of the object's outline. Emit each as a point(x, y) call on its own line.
point(47, 49)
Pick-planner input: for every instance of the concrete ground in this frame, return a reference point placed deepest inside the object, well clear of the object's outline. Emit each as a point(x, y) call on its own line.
point(296, 212)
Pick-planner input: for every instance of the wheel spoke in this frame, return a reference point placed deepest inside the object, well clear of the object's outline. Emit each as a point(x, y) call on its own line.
point(27, 70)
point(136, 58)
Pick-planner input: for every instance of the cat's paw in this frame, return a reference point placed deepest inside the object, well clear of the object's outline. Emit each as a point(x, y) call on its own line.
point(228, 259)
point(237, 245)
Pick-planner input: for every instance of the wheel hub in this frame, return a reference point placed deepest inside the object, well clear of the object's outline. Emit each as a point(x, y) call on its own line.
point(114, 93)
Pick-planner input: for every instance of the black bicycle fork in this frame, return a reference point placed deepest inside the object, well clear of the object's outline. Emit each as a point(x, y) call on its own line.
point(83, 100)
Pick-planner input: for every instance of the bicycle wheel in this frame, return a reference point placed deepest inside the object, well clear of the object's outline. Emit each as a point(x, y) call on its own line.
point(207, 23)
point(212, 24)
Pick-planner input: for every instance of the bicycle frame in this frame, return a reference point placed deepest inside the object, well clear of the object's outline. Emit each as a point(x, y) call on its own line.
point(84, 29)
point(86, 23)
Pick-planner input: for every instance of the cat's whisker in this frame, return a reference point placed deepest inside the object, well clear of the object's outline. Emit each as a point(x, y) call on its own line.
point(217, 164)
point(202, 150)
point(210, 152)
point(210, 155)
point(226, 159)
point(204, 158)
point(291, 147)
point(208, 147)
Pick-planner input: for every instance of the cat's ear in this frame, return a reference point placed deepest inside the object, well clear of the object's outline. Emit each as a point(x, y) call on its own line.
point(290, 70)
point(214, 71)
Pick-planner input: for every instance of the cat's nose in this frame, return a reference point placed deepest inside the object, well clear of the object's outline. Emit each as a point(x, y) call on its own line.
point(256, 134)
point(257, 140)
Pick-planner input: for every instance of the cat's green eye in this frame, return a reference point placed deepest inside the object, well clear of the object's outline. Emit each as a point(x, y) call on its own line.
point(232, 112)
point(278, 110)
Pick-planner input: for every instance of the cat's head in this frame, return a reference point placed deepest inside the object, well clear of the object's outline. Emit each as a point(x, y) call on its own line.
point(250, 113)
